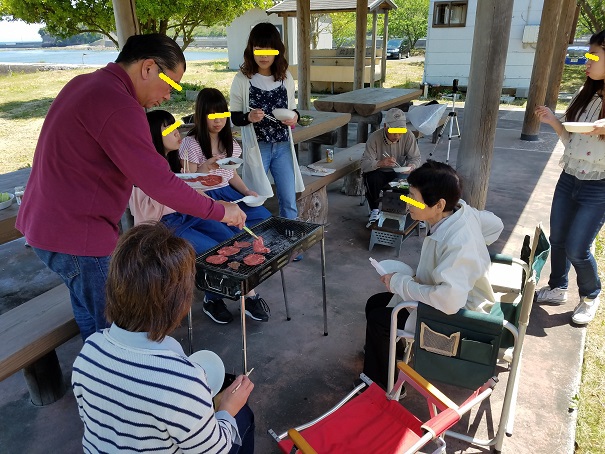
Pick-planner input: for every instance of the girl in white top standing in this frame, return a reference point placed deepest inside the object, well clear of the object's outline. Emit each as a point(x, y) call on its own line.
point(578, 206)
point(262, 85)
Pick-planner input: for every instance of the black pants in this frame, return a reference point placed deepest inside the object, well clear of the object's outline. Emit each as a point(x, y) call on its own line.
point(375, 181)
point(378, 323)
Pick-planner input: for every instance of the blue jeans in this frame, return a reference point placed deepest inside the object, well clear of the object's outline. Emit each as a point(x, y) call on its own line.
point(245, 426)
point(277, 157)
point(203, 234)
point(577, 215)
point(254, 215)
point(85, 278)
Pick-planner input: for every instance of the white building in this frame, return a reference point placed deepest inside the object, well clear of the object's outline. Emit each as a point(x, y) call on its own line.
point(450, 42)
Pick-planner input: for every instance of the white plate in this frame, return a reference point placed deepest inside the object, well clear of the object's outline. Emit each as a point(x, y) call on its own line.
point(578, 126)
point(254, 201)
point(196, 184)
point(283, 114)
point(9, 202)
point(395, 266)
point(224, 163)
point(402, 169)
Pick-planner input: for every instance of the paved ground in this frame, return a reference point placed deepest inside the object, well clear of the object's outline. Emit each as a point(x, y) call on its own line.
point(298, 372)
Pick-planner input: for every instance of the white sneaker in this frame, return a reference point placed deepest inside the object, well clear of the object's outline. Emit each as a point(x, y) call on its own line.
point(556, 295)
point(374, 215)
point(585, 311)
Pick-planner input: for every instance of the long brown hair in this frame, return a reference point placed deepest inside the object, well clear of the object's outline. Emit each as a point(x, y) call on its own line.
point(210, 101)
point(589, 89)
point(150, 281)
point(265, 35)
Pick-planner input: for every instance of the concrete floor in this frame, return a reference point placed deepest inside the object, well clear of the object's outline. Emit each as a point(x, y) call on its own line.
point(298, 372)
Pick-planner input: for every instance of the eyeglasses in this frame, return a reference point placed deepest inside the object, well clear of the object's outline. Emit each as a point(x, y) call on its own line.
point(172, 89)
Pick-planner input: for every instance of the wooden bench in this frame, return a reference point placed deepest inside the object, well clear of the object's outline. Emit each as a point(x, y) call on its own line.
point(312, 203)
point(29, 335)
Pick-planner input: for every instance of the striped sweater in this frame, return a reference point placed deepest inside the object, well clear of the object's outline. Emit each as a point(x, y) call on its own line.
point(135, 395)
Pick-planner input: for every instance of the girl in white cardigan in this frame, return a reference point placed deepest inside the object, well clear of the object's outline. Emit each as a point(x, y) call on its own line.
point(262, 85)
point(453, 268)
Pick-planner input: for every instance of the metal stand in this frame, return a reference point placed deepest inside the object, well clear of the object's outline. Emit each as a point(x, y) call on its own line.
point(452, 118)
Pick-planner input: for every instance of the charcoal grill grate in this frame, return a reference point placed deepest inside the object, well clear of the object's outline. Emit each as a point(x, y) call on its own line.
point(286, 238)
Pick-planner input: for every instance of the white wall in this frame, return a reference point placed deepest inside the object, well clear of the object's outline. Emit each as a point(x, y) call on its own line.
point(448, 50)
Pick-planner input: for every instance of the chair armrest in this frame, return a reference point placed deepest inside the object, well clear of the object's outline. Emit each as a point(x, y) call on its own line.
point(425, 388)
point(300, 442)
point(501, 258)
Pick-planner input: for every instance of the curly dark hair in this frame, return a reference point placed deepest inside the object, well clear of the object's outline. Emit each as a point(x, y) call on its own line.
point(265, 35)
point(437, 180)
point(589, 89)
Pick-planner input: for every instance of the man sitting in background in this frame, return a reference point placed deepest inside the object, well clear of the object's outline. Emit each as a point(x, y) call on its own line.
point(384, 152)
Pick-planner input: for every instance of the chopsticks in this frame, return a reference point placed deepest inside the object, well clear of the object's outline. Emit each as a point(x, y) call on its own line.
point(268, 117)
point(252, 234)
point(386, 155)
point(240, 383)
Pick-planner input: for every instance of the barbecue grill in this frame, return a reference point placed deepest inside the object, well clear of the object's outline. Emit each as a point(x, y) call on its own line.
point(286, 238)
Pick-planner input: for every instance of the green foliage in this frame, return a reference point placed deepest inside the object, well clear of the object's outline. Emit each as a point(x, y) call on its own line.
point(592, 17)
point(410, 20)
point(82, 38)
point(177, 19)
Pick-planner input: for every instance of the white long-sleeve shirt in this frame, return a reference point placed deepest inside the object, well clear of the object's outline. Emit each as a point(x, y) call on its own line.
point(454, 262)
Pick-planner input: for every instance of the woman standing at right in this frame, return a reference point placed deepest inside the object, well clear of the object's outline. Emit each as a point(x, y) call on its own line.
point(262, 85)
point(578, 206)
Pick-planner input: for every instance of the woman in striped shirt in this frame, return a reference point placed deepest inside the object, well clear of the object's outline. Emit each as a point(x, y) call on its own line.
point(136, 390)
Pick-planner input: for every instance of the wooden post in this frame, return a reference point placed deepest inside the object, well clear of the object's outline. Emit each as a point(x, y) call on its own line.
point(303, 23)
point(490, 46)
point(361, 19)
point(285, 21)
point(373, 53)
point(45, 380)
point(385, 38)
point(566, 24)
point(127, 24)
point(551, 12)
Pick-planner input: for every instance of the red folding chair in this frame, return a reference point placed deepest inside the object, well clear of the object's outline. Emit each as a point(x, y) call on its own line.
point(375, 422)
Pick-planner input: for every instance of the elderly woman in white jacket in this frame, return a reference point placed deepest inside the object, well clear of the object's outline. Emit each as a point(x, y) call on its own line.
point(453, 268)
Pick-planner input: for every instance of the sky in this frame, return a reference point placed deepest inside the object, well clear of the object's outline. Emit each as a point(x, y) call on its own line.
point(18, 31)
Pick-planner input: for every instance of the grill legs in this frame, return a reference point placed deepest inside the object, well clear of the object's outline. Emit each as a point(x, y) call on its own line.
point(283, 286)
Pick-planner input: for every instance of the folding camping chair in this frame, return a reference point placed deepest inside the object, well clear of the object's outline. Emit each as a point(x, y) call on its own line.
point(375, 422)
point(462, 349)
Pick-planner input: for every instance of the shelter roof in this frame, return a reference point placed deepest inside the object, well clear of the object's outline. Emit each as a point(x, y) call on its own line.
point(288, 7)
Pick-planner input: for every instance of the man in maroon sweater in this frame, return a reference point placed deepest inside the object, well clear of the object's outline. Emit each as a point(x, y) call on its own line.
point(94, 146)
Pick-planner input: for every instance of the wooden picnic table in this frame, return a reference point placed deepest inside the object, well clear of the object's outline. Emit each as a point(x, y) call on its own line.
point(366, 104)
point(8, 216)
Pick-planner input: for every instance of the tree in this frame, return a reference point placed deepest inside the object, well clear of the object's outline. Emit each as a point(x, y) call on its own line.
point(409, 20)
point(592, 16)
point(319, 23)
point(175, 18)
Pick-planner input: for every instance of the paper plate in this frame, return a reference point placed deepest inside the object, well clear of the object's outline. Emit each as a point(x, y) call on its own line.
point(283, 114)
point(225, 163)
point(406, 169)
point(578, 126)
point(213, 366)
point(395, 266)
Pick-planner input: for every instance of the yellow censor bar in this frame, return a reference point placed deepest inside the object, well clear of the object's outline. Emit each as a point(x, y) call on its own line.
point(266, 52)
point(171, 128)
point(214, 116)
point(170, 82)
point(397, 130)
point(420, 205)
point(591, 56)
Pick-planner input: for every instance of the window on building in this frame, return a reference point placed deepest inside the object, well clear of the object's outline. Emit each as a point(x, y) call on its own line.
point(450, 14)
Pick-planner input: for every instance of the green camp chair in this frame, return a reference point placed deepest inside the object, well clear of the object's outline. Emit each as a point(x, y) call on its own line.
point(462, 349)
